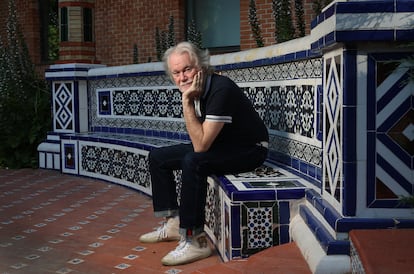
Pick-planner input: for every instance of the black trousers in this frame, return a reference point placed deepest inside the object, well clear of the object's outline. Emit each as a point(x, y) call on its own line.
point(195, 166)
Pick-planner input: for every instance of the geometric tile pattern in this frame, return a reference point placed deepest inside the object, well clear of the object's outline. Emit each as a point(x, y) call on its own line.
point(307, 152)
point(332, 140)
point(288, 109)
point(116, 163)
point(260, 226)
point(284, 95)
point(243, 219)
point(390, 104)
point(303, 69)
point(213, 216)
point(144, 102)
point(63, 107)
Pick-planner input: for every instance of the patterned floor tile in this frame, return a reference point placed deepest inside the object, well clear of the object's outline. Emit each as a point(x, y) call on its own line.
point(69, 224)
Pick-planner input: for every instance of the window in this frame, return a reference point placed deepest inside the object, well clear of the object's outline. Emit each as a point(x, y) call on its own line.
point(218, 21)
point(49, 30)
point(64, 27)
point(87, 25)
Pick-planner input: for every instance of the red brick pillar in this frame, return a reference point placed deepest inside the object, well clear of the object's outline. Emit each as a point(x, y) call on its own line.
point(76, 29)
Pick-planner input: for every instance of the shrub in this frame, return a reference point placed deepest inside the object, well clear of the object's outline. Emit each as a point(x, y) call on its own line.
point(24, 100)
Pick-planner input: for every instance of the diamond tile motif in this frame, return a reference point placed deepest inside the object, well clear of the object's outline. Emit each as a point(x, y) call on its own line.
point(63, 105)
point(332, 182)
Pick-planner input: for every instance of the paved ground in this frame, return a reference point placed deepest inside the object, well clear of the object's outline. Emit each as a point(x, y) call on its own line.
point(56, 223)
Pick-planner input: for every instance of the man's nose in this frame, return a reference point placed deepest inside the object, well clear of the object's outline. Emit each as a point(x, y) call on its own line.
point(182, 76)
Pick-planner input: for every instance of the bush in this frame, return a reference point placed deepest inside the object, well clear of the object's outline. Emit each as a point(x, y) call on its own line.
point(24, 100)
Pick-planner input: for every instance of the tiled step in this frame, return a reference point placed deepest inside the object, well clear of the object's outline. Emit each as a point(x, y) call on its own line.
point(285, 258)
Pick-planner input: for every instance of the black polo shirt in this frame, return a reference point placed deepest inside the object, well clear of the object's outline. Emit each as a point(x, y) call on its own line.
point(224, 101)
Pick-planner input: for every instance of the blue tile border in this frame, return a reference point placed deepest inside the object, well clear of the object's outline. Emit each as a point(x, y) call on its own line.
point(380, 6)
point(366, 7)
point(345, 224)
point(359, 35)
point(330, 245)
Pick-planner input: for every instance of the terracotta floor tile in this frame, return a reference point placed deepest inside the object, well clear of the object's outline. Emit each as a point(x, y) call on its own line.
point(56, 223)
point(384, 251)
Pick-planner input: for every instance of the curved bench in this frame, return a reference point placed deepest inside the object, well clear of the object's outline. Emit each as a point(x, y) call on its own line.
point(255, 206)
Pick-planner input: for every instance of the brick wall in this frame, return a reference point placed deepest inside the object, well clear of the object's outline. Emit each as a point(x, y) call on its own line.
point(27, 13)
point(266, 19)
point(121, 24)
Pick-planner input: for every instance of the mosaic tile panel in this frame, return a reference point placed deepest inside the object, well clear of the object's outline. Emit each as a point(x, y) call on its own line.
point(287, 108)
point(390, 116)
point(251, 217)
point(70, 156)
point(307, 152)
point(114, 101)
point(213, 219)
point(129, 102)
point(119, 164)
point(332, 183)
point(304, 69)
point(63, 106)
point(259, 225)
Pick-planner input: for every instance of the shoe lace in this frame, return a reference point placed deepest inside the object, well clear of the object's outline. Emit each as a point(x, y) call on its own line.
point(162, 231)
point(183, 245)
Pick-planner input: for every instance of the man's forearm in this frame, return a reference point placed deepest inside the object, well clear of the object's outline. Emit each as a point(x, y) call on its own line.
point(193, 125)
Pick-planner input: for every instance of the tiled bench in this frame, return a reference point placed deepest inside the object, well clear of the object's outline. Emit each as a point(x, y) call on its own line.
point(115, 157)
point(245, 213)
point(248, 212)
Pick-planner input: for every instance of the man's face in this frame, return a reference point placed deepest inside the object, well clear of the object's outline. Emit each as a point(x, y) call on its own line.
point(182, 70)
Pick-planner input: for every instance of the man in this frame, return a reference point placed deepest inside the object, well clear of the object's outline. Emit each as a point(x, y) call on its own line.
point(227, 136)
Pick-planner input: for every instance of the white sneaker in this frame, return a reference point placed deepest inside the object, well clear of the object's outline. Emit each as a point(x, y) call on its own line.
point(188, 250)
point(168, 231)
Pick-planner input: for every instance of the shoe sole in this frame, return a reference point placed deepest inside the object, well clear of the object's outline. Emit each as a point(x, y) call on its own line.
point(159, 241)
point(189, 261)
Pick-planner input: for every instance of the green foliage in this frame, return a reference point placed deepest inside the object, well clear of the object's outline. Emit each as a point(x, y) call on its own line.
point(158, 46)
point(407, 200)
point(171, 35)
point(53, 33)
point(194, 35)
point(135, 54)
point(318, 5)
point(300, 19)
point(24, 100)
point(254, 24)
point(164, 39)
point(283, 20)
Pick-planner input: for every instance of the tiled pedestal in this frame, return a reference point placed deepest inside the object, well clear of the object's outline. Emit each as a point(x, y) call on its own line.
point(249, 212)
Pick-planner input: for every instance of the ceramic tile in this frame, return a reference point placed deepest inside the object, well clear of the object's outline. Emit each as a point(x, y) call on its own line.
point(62, 208)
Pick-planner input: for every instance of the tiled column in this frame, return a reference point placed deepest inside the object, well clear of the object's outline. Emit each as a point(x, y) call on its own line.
point(368, 136)
point(69, 109)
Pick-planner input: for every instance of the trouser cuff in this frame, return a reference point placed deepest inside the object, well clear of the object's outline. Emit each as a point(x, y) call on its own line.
point(166, 213)
point(191, 232)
